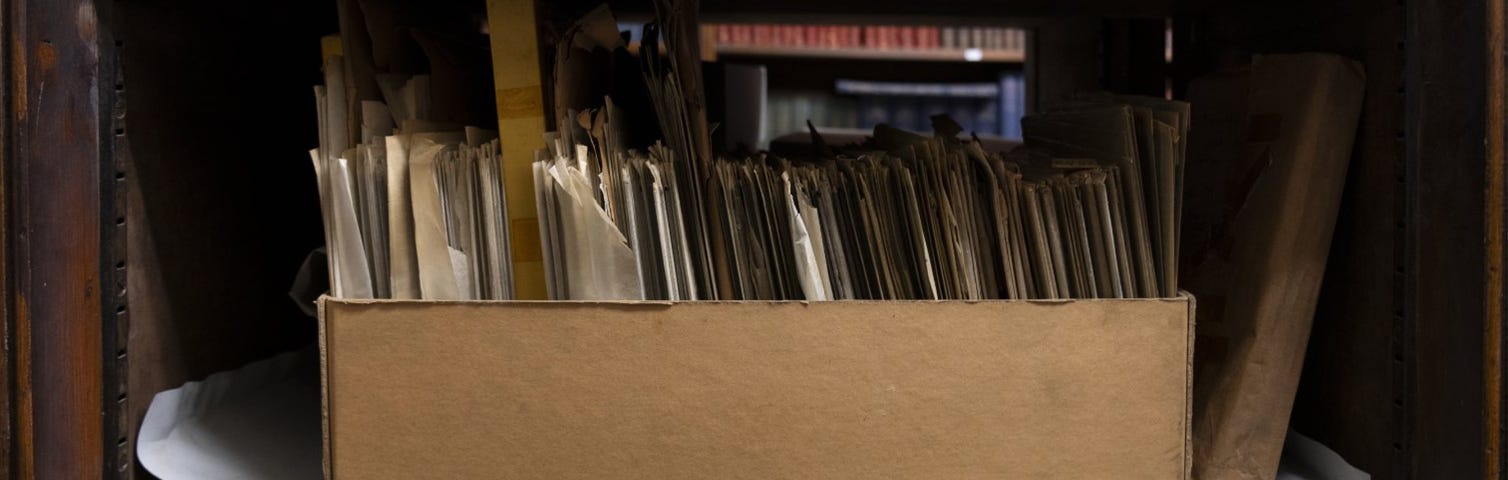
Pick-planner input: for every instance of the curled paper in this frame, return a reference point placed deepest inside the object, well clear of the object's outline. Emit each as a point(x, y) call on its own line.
point(598, 261)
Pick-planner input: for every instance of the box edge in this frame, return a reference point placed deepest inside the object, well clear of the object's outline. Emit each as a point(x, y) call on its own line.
point(326, 447)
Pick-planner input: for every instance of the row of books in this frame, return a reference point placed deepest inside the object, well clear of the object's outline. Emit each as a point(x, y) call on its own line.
point(878, 37)
point(788, 111)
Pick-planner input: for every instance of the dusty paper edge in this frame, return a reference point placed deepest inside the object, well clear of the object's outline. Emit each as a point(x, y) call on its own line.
point(324, 387)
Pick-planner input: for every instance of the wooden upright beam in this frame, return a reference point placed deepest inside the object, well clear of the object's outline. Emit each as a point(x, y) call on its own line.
point(1495, 222)
point(1446, 162)
point(57, 157)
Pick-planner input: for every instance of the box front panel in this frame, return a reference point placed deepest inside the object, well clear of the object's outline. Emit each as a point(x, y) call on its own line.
point(1091, 389)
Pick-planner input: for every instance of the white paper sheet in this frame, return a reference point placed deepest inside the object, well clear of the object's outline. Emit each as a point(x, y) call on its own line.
point(259, 422)
point(353, 270)
point(402, 264)
point(1306, 459)
point(807, 269)
point(599, 264)
point(376, 121)
point(437, 280)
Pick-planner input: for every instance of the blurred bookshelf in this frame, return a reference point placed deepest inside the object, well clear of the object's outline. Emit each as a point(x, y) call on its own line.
point(871, 42)
point(777, 77)
point(993, 108)
point(928, 55)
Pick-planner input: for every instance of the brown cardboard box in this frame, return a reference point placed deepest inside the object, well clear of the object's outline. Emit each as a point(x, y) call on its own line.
point(1265, 186)
point(1042, 389)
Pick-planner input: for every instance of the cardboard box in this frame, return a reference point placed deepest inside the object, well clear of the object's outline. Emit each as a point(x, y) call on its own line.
point(992, 389)
point(1266, 184)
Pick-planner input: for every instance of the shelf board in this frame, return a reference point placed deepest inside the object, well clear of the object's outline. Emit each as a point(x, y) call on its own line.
point(927, 55)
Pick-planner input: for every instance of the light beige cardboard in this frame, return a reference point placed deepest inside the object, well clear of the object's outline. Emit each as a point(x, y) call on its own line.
point(995, 389)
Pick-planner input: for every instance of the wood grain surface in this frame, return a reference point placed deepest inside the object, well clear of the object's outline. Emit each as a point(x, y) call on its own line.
point(55, 204)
